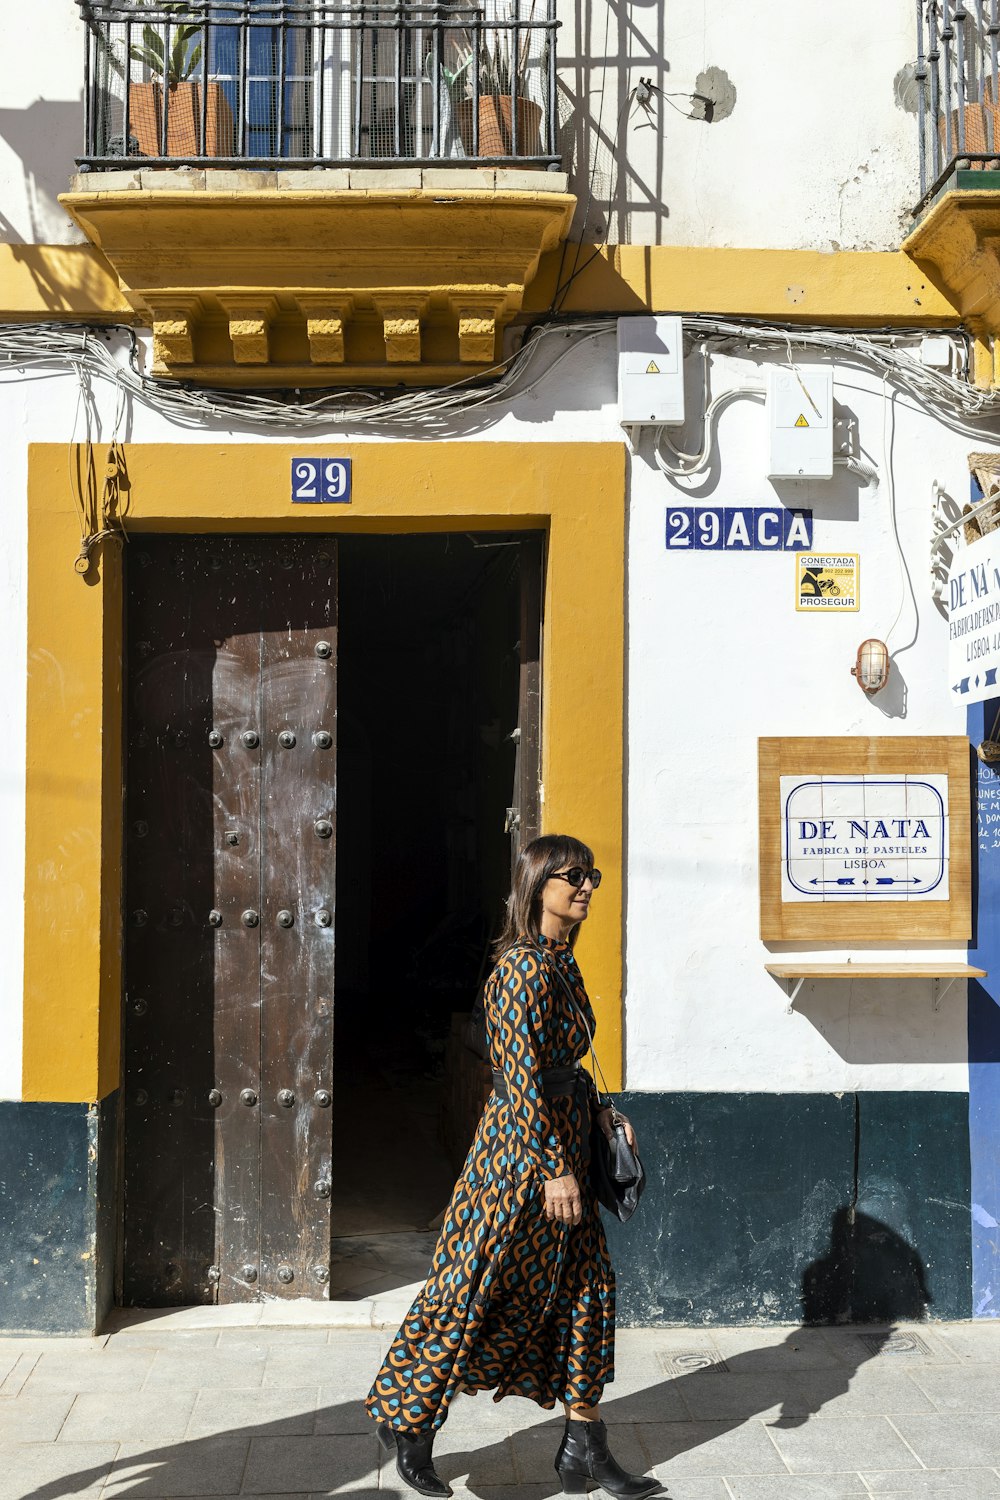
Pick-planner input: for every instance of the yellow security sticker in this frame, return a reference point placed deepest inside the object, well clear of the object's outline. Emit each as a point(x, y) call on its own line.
point(827, 581)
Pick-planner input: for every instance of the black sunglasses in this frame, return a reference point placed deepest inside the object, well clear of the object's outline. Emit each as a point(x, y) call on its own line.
point(577, 875)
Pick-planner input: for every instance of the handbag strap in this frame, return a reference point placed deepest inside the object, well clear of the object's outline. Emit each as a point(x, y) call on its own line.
point(609, 1103)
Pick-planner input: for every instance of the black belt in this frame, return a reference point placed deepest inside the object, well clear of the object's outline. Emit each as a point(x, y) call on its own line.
point(555, 1081)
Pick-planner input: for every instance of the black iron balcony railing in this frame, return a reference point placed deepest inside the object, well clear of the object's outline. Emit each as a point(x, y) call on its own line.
point(319, 83)
point(958, 101)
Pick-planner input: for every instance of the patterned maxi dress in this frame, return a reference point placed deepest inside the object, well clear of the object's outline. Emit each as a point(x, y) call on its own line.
point(513, 1302)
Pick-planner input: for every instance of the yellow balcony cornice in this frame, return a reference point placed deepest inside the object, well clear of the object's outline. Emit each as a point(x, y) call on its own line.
point(957, 246)
point(266, 287)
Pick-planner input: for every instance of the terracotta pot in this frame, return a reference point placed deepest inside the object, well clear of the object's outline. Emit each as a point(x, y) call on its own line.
point(183, 119)
point(496, 125)
point(979, 119)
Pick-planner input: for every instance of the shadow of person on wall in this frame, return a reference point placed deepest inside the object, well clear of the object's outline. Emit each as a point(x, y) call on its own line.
point(852, 1296)
point(868, 1275)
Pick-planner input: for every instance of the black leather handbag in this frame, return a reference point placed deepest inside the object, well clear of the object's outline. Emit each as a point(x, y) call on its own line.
point(616, 1173)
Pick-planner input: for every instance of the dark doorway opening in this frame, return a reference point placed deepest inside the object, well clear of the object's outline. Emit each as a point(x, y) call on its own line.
point(437, 742)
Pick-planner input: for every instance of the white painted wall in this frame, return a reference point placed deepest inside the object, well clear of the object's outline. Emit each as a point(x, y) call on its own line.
point(41, 119)
point(716, 657)
point(816, 153)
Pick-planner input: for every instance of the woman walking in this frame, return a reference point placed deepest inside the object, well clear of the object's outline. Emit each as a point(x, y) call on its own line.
point(520, 1295)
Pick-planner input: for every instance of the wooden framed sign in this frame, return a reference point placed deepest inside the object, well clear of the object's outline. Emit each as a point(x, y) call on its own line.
point(864, 839)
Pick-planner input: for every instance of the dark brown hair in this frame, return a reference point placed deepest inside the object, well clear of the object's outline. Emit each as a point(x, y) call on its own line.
point(535, 864)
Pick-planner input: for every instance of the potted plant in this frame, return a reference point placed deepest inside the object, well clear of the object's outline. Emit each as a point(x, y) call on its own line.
point(500, 65)
point(171, 55)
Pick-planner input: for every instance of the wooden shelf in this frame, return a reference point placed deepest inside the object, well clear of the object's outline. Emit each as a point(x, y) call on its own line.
point(944, 975)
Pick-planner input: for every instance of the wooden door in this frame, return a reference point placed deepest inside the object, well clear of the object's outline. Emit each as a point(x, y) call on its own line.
point(230, 865)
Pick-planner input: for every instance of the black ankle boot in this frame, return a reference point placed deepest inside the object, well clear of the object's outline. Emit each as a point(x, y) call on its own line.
point(413, 1460)
point(583, 1460)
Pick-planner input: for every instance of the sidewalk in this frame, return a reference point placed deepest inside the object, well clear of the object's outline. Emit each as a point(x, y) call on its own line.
point(207, 1402)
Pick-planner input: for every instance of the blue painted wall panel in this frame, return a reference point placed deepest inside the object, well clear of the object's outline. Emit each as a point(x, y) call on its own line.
point(984, 1026)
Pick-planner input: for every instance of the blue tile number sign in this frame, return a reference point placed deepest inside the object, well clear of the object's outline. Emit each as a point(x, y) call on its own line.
point(738, 528)
point(321, 481)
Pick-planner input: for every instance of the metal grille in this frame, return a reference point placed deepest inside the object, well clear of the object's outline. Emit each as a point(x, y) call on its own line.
point(291, 83)
point(958, 101)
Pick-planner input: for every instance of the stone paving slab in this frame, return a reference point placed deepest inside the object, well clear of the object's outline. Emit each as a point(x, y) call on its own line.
point(175, 1369)
point(817, 1446)
point(709, 1448)
point(797, 1487)
point(968, 1388)
point(977, 1484)
point(303, 1465)
point(34, 1419)
point(82, 1372)
point(940, 1441)
point(285, 1413)
point(211, 1467)
point(39, 1469)
point(144, 1416)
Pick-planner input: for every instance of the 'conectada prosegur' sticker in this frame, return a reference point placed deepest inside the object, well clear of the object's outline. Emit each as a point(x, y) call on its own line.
point(827, 581)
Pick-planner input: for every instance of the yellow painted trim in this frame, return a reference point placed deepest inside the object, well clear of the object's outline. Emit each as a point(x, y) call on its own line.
point(847, 286)
point(49, 283)
point(74, 763)
point(844, 287)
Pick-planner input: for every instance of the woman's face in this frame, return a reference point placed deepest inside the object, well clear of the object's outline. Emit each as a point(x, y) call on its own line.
point(563, 902)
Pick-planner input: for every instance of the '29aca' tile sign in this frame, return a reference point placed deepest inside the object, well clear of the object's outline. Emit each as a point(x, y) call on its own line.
point(864, 838)
point(738, 528)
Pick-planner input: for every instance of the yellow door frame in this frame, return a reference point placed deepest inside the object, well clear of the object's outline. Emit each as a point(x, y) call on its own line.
point(74, 761)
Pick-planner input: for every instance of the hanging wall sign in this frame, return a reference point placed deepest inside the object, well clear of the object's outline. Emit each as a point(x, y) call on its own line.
point(321, 481)
point(974, 621)
point(738, 528)
point(864, 839)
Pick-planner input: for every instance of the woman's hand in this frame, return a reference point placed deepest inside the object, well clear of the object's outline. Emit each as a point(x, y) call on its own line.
point(605, 1118)
point(562, 1200)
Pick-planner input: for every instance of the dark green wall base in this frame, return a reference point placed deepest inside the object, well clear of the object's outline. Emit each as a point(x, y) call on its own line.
point(761, 1208)
point(768, 1208)
point(57, 1230)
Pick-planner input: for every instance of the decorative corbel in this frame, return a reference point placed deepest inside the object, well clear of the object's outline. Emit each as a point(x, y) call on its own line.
point(326, 322)
point(174, 316)
point(478, 317)
point(250, 316)
point(401, 315)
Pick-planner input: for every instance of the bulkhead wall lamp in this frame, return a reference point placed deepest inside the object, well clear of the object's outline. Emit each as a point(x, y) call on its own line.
point(872, 666)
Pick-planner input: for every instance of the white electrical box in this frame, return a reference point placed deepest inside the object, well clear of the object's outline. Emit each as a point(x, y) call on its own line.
point(800, 422)
point(651, 372)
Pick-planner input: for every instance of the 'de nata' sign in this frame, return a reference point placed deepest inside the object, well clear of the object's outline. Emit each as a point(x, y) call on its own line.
point(868, 838)
point(864, 838)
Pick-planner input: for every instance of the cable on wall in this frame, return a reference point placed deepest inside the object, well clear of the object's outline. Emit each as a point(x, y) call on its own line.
point(438, 411)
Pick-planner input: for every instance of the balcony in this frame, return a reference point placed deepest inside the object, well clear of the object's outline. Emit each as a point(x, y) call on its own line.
point(283, 186)
point(958, 122)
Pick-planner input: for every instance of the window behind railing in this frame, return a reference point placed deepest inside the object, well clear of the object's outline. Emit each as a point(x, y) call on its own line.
point(958, 101)
point(287, 82)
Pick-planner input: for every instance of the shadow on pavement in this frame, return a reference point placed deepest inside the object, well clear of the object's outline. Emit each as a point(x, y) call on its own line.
point(866, 1260)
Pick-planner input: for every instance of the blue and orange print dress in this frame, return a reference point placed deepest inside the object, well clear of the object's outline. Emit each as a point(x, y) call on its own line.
point(514, 1302)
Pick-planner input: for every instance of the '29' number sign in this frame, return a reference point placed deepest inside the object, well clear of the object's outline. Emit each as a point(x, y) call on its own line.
point(321, 481)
